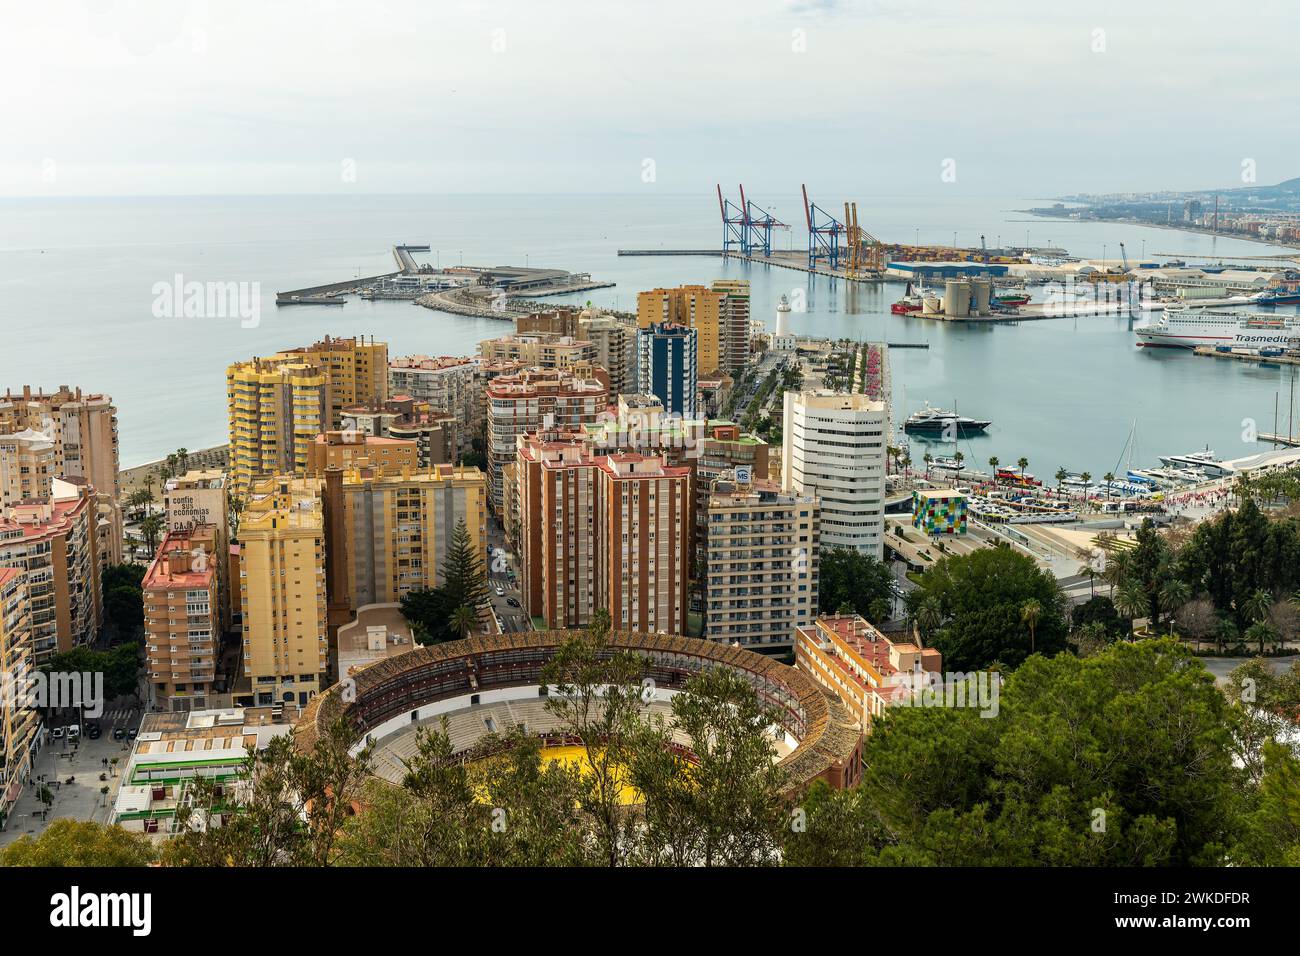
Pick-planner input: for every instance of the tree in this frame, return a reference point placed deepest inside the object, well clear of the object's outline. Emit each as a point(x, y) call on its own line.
point(979, 598)
point(1099, 610)
point(1108, 478)
point(1031, 612)
point(1061, 475)
point(430, 611)
point(1262, 632)
point(846, 576)
point(1174, 594)
point(993, 467)
point(943, 787)
point(288, 806)
point(598, 700)
point(1022, 464)
point(151, 529)
point(724, 807)
point(1132, 602)
point(68, 842)
point(463, 620)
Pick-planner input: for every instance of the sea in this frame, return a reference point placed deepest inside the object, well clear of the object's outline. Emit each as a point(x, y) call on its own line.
point(85, 300)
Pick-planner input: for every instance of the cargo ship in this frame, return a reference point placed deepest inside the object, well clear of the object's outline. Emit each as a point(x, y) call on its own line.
point(910, 302)
point(1271, 297)
point(1011, 299)
point(1191, 328)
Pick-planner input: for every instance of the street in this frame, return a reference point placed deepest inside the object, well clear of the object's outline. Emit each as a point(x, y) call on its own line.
point(503, 572)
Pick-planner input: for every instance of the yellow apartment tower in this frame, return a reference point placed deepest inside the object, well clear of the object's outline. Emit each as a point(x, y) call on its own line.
point(277, 408)
point(693, 306)
point(356, 372)
point(282, 590)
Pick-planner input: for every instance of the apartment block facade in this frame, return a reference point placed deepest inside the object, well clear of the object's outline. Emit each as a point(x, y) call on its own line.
point(533, 399)
point(282, 590)
point(447, 384)
point(19, 722)
point(183, 617)
point(54, 543)
point(761, 554)
point(602, 532)
point(276, 409)
point(667, 366)
point(355, 370)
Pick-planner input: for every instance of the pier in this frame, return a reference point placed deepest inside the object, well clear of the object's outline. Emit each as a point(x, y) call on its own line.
point(1292, 358)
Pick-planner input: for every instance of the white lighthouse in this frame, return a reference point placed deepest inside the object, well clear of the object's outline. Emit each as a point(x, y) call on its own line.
point(782, 317)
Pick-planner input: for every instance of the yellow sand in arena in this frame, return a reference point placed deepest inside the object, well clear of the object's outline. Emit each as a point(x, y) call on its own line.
point(578, 756)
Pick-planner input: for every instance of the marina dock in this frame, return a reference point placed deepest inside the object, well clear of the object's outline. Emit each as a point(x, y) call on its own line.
point(1284, 359)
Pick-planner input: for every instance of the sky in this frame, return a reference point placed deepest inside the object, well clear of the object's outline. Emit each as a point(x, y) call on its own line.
point(995, 97)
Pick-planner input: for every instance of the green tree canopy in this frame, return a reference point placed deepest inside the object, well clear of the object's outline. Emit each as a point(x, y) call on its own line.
point(68, 842)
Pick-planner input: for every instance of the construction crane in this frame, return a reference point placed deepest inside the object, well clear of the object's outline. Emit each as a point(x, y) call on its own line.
point(1123, 257)
point(757, 226)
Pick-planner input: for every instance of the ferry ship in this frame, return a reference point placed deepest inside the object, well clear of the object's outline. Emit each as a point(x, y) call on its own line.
point(1190, 328)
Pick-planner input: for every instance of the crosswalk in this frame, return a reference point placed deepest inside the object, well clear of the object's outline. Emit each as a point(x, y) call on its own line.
point(118, 714)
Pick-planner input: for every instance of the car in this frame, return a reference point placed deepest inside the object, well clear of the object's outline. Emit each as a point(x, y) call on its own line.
point(499, 589)
point(132, 733)
point(119, 733)
point(93, 732)
point(74, 731)
point(513, 602)
point(57, 733)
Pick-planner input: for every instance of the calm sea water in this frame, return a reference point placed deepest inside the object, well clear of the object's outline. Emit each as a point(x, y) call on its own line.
point(77, 279)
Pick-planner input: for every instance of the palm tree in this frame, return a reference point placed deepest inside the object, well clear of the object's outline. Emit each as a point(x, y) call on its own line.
point(1108, 478)
point(1132, 602)
point(993, 466)
point(958, 458)
point(927, 458)
point(1263, 632)
point(907, 461)
point(1116, 570)
point(1022, 464)
point(1257, 606)
point(182, 459)
point(1174, 594)
point(463, 620)
point(151, 528)
point(1030, 613)
point(879, 610)
point(1086, 478)
point(1088, 571)
point(1061, 475)
point(929, 615)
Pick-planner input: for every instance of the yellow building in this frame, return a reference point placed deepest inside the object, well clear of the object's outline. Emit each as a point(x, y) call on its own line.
point(17, 720)
point(276, 410)
point(398, 527)
point(695, 307)
point(282, 590)
point(356, 372)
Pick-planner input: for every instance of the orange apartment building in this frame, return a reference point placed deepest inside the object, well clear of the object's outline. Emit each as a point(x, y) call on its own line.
point(350, 449)
point(54, 541)
point(182, 617)
point(18, 722)
point(858, 664)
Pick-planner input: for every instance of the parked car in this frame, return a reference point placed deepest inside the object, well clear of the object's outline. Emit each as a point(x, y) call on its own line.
point(513, 602)
point(132, 733)
point(74, 731)
point(93, 732)
point(119, 733)
point(57, 733)
point(499, 589)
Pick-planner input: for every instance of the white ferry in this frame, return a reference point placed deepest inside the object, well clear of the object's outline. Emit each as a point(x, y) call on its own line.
point(1189, 328)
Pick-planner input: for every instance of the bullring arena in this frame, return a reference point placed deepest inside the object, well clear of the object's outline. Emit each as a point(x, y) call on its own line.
point(493, 684)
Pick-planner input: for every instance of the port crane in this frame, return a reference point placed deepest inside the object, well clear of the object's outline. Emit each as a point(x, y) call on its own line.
point(824, 232)
point(756, 228)
point(733, 225)
point(866, 253)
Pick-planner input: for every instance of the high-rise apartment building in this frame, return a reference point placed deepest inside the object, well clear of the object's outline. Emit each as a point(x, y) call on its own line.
point(348, 449)
point(834, 450)
point(54, 541)
point(606, 531)
point(613, 337)
point(539, 350)
point(18, 717)
point(398, 527)
point(276, 410)
point(734, 319)
point(182, 617)
point(762, 546)
point(446, 384)
point(433, 430)
point(82, 426)
point(355, 369)
point(28, 466)
point(667, 366)
point(282, 590)
point(695, 307)
point(537, 398)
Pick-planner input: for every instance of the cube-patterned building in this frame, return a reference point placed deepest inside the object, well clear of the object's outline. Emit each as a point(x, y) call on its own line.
point(939, 512)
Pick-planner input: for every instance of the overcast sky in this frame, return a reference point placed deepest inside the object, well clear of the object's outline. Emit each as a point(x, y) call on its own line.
point(1026, 98)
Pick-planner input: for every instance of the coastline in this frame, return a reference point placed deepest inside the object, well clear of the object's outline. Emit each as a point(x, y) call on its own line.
point(1190, 230)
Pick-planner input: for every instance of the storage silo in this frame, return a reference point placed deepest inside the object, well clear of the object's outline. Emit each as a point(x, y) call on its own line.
point(956, 298)
point(983, 295)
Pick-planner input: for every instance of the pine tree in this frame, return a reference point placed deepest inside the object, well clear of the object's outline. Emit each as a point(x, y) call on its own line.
point(464, 581)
